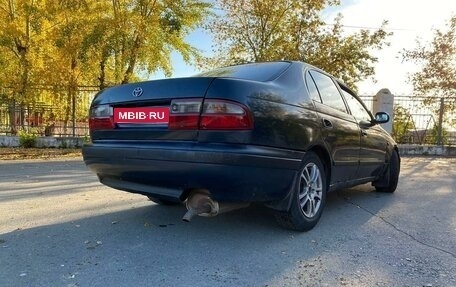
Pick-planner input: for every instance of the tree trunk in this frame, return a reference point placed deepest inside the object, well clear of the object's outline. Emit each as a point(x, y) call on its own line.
point(72, 86)
point(12, 117)
point(132, 60)
point(102, 77)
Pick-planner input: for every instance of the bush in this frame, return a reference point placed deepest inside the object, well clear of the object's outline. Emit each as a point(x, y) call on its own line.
point(432, 136)
point(87, 139)
point(27, 139)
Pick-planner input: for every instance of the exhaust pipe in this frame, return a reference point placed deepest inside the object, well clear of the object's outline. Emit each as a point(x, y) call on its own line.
point(200, 203)
point(189, 215)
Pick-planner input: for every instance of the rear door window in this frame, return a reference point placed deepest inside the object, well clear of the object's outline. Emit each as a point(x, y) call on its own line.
point(329, 93)
point(313, 91)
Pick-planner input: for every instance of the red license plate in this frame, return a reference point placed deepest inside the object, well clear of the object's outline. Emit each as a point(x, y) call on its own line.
point(158, 115)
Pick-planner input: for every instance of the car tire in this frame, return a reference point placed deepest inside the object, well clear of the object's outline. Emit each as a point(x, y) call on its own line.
point(391, 175)
point(308, 196)
point(163, 201)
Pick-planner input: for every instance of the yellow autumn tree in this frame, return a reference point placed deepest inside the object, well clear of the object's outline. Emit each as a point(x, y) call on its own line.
point(21, 36)
point(134, 37)
point(49, 49)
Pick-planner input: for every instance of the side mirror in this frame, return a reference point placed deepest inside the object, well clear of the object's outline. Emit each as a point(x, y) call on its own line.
point(381, 118)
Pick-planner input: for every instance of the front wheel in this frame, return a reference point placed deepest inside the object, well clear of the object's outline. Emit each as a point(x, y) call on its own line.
point(308, 196)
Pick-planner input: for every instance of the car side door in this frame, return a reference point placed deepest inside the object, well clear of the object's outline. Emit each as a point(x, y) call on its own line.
point(373, 145)
point(340, 130)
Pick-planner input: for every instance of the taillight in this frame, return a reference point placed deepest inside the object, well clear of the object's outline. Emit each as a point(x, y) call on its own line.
point(191, 114)
point(225, 115)
point(101, 118)
point(184, 114)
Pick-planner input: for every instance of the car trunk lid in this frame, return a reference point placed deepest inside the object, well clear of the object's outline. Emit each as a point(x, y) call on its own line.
point(142, 111)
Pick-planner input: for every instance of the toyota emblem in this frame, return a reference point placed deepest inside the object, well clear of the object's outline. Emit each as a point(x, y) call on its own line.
point(137, 92)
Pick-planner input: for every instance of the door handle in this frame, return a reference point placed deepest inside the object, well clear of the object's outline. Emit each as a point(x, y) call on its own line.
point(327, 123)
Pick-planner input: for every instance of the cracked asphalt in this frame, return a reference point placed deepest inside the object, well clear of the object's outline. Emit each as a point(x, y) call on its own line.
point(60, 227)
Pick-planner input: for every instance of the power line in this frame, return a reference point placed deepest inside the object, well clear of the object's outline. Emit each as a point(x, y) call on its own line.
point(371, 28)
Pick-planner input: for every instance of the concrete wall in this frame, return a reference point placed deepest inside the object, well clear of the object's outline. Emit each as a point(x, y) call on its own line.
point(68, 142)
point(45, 142)
point(409, 149)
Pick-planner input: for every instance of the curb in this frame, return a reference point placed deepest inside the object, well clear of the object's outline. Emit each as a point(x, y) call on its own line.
point(435, 150)
point(44, 142)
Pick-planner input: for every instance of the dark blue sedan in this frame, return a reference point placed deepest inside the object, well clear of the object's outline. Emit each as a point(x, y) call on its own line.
point(280, 133)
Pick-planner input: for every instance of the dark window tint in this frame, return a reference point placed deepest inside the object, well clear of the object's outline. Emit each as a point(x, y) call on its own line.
point(356, 108)
point(312, 88)
point(256, 72)
point(328, 91)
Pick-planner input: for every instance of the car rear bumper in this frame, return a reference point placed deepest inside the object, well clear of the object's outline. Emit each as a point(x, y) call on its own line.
point(168, 170)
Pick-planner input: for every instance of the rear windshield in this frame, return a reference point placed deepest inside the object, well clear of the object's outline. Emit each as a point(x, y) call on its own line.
point(261, 72)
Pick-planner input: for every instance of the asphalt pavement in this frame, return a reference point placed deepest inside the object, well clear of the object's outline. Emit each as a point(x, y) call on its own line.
point(60, 227)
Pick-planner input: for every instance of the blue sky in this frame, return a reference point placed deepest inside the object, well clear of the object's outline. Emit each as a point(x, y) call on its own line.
point(408, 20)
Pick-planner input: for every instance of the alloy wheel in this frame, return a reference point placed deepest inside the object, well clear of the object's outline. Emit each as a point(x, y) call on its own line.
point(310, 190)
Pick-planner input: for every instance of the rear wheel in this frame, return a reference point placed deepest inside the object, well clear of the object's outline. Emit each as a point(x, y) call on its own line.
point(308, 198)
point(163, 201)
point(391, 175)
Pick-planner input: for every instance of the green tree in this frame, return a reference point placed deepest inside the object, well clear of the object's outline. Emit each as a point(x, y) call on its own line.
point(266, 30)
point(438, 59)
point(437, 77)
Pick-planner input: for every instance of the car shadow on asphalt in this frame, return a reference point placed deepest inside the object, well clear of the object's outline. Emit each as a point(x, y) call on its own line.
point(151, 245)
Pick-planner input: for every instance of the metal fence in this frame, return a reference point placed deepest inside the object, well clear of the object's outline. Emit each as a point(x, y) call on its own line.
point(48, 115)
point(422, 120)
point(416, 120)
